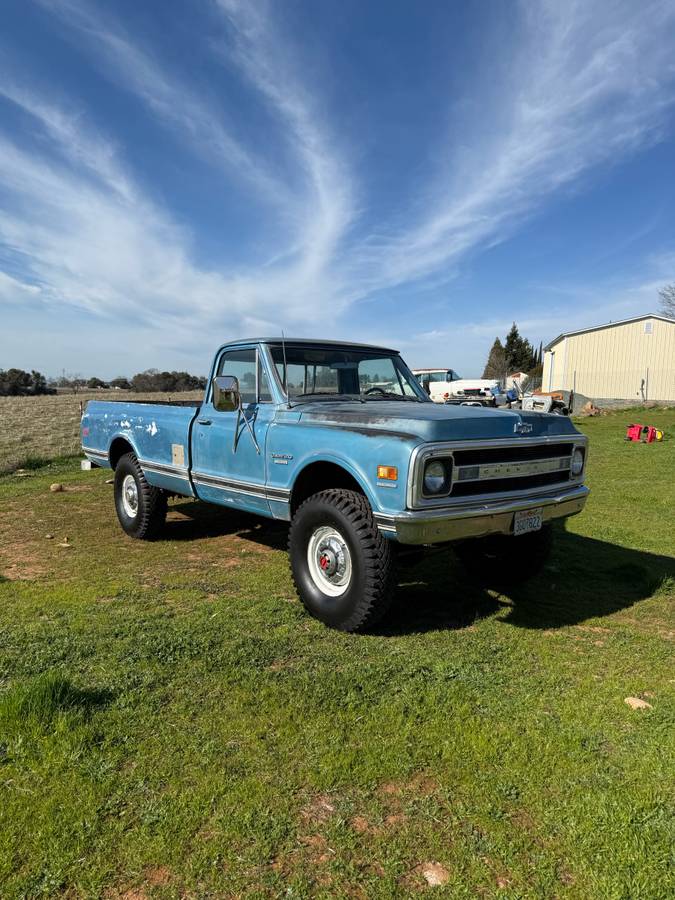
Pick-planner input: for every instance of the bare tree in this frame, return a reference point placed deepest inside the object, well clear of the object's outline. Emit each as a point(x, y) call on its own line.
point(667, 297)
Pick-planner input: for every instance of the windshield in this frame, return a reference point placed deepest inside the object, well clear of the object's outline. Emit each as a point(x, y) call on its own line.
point(340, 373)
point(442, 375)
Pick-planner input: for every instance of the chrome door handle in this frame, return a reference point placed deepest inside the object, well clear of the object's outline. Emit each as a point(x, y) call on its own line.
point(203, 421)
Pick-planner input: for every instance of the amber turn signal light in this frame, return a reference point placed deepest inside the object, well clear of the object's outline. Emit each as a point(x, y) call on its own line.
point(387, 473)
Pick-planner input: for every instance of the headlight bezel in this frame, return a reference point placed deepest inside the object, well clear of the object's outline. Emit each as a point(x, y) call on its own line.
point(445, 462)
point(578, 452)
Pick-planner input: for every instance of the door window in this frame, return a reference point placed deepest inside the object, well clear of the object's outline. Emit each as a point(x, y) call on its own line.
point(264, 390)
point(242, 364)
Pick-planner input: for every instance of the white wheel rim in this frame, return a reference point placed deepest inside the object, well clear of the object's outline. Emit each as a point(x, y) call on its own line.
point(329, 561)
point(130, 496)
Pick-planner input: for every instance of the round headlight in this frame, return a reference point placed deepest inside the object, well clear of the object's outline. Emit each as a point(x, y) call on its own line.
point(435, 477)
point(577, 462)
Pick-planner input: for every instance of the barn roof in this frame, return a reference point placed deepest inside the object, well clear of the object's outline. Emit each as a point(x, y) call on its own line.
point(608, 325)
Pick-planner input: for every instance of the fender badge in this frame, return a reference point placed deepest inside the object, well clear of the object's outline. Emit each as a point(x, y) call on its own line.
point(522, 428)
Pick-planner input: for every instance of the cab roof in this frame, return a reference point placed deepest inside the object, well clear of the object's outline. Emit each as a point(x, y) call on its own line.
point(310, 342)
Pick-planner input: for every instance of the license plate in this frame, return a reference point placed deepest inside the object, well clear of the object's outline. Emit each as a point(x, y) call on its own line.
point(527, 520)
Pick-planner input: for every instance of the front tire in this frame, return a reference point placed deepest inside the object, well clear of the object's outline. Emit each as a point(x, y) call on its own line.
point(342, 567)
point(502, 560)
point(141, 508)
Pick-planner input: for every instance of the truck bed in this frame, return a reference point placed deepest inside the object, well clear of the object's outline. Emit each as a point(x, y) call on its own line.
point(158, 432)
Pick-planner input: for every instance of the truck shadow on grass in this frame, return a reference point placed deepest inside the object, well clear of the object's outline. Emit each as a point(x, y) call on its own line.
point(204, 520)
point(584, 579)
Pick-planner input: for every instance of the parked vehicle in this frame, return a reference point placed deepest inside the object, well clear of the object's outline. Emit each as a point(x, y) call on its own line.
point(446, 386)
point(554, 402)
point(304, 432)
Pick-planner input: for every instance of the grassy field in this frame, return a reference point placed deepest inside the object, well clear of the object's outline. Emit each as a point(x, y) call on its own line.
point(173, 725)
point(35, 429)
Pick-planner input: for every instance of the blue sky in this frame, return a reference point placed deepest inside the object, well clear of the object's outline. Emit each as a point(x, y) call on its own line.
point(175, 174)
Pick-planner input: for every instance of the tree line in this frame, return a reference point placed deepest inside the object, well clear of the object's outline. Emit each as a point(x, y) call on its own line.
point(18, 383)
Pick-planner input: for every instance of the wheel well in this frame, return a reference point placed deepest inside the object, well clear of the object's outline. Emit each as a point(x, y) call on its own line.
point(117, 450)
point(320, 476)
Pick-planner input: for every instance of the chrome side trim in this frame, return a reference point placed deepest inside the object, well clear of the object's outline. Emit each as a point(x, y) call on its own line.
point(241, 487)
point(90, 451)
point(477, 518)
point(164, 469)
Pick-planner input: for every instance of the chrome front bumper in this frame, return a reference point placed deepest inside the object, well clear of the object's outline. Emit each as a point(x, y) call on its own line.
point(477, 519)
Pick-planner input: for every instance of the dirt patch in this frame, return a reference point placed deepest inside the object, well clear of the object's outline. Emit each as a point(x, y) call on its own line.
point(157, 875)
point(22, 562)
point(318, 810)
point(280, 664)
point(420, 785)
point(361, 825)
point(317, 846)
point(426, 875)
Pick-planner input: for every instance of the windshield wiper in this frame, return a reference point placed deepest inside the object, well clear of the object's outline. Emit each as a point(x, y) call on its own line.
point(390, 395)
point(331, 396)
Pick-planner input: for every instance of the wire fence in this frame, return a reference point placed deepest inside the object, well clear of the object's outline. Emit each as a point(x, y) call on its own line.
point(637, 386)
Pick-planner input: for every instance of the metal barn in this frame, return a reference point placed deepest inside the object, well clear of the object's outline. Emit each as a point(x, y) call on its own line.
point(633, 359)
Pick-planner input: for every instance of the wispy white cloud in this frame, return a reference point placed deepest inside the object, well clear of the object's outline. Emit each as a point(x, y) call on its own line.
point(68, 133)
point(588, 83)
point(313, 217)
point(13, 290)
point(198, 123)
point(266, 61)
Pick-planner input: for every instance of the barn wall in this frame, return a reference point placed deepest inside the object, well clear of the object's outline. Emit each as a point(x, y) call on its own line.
point(623, 362)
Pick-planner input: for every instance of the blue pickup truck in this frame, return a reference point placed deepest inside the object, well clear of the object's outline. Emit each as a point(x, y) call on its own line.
point(341, 441)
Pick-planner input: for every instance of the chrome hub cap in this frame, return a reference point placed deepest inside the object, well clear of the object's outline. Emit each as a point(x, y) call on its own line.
point(329, 561)
point(130, 496)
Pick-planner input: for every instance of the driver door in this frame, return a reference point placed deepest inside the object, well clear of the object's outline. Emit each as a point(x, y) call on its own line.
point(228, 457)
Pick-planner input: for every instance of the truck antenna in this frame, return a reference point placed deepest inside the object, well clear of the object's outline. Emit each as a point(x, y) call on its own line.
point(283, 350)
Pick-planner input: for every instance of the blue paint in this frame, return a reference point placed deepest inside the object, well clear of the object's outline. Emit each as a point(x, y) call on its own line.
point(356, 436)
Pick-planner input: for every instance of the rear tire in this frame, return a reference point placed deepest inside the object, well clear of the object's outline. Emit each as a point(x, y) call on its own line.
point(342, 566)
point(141, 508)
point(502, 560)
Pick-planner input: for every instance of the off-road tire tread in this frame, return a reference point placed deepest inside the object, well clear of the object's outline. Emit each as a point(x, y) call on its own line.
point(379, 557)
point(152, 505)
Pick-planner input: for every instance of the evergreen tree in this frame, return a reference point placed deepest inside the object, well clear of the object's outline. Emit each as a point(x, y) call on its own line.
point(496, 365)
point(520, 356)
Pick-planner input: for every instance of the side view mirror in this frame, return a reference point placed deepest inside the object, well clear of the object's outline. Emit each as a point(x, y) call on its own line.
point(226, 397)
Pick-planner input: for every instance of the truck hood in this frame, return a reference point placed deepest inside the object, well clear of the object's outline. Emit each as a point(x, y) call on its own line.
point(431, 421)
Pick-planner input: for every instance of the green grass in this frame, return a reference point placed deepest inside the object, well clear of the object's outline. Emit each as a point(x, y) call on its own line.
point(172, 724)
